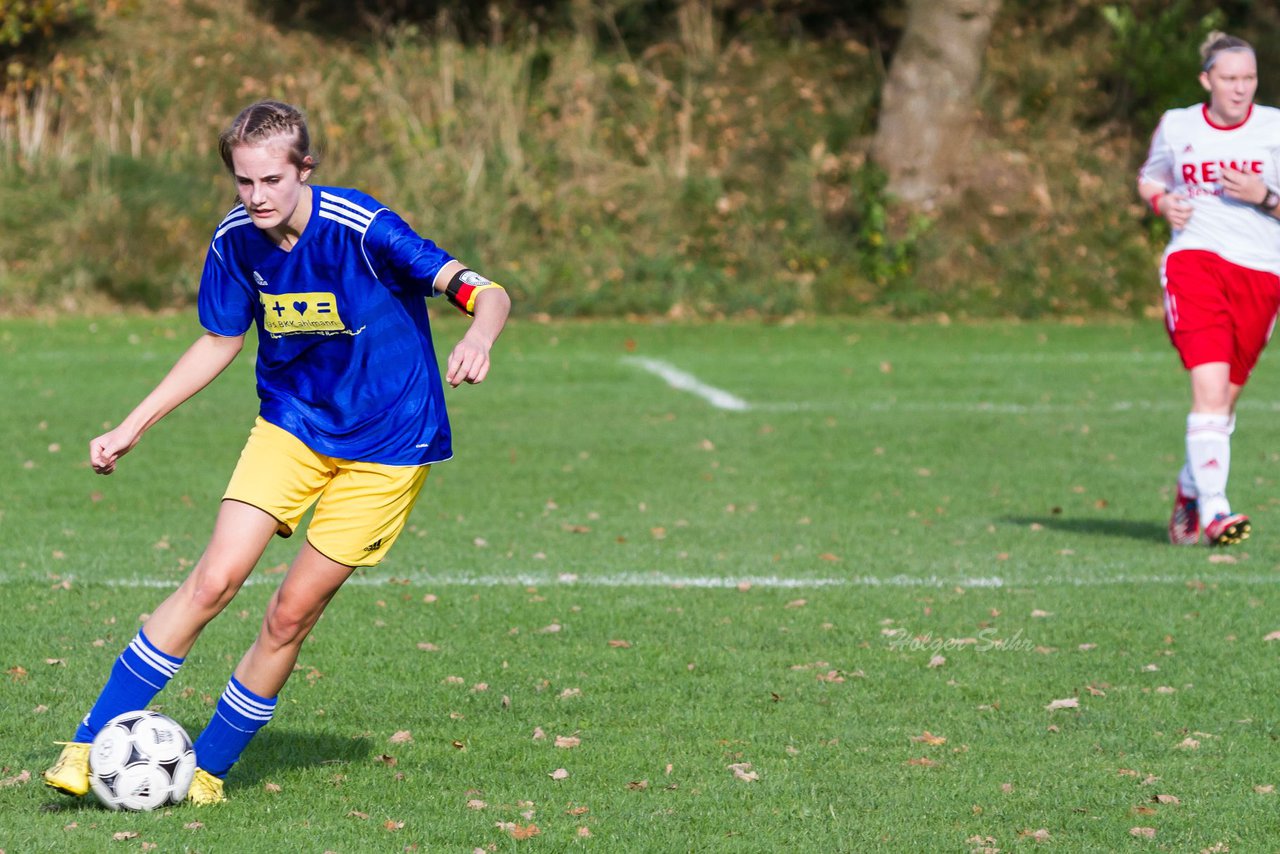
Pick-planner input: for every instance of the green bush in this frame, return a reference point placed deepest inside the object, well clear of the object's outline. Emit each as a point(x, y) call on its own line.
point(26, 25)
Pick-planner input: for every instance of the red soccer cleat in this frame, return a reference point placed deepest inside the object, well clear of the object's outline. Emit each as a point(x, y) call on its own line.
point(1227, 529)
point(1184, 524)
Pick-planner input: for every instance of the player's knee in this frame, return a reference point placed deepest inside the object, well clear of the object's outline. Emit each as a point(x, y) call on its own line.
point(285, 625)
point(213, 588)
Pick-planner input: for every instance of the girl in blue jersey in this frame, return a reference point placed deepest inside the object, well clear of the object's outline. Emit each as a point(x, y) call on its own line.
point(351, 419)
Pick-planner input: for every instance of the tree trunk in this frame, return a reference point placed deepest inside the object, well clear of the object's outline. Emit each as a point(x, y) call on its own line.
point(927, 109)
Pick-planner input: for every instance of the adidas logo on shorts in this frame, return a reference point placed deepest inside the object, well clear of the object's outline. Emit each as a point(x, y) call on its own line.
point(377, 544)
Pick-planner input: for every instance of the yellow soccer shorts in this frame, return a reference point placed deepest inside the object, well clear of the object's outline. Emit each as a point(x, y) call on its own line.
point(361, 508)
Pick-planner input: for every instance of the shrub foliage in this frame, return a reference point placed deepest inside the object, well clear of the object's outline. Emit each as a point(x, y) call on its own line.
point(687, 157)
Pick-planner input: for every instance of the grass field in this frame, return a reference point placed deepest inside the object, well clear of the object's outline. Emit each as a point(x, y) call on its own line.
point(753, 587)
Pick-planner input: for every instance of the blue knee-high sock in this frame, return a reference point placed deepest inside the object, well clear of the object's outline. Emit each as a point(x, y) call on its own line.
point(137, 676)
point(236, 720)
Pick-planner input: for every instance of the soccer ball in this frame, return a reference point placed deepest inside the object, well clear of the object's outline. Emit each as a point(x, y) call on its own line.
point(140, 761)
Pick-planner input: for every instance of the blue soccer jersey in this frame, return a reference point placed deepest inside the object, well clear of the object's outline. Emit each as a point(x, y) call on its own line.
point(345, 359)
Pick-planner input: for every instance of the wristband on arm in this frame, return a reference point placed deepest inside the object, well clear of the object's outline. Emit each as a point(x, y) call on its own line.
point(1270, 201)
point(464, 287)
point(1155, 203)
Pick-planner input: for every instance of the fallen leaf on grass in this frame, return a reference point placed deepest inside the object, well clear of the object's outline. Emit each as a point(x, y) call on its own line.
point(193, 825)
point(538, 734)
point(567, 741)
point(577, 811)
point(927, 737)
point(527, 831)
point(16, 780)
point(1143, 810)
point(1066, 703)
point(1143, 832)
point(401, 737)
point(476, 804)
point(559, 774)
point(831, 676)
point(1187, 743)
point(742, 771)
point(584, 832)
point(937, 661)
point(357, 814)
point(620, 644)
point(122, 835)
point(570, 692)
point(392, 825)
point(922, 762)
point(1272, 636)
point(638, 785)
point(1039, 835)
point(1265, 790)
point(271, 787)
point(386, 759)
point(1166, 799)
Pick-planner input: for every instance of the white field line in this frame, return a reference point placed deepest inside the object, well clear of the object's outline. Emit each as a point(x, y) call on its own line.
point(721, 399)
point(712, 582)
point(683, 381)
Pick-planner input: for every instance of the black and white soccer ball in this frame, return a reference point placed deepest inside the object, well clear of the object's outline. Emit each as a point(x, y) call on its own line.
point(141, 761)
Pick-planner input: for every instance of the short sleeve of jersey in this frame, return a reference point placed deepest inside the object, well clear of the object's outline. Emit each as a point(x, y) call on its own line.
point(397, 251)
point(1160, 166)
point(225, 301)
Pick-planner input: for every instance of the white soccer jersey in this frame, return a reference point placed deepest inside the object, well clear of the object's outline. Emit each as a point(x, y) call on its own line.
point(1187, 155)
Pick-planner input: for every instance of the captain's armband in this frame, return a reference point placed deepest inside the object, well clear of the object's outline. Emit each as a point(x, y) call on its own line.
point(464, 287)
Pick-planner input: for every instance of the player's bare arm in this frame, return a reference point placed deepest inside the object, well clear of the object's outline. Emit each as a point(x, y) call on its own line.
point(488, 304)
point(195, 369)
point(1250, 188)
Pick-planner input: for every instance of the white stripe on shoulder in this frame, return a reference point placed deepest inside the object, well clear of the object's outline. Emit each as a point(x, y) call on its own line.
point(234, 221)
point(351, 208)
point(336, 217)
point(235, 212)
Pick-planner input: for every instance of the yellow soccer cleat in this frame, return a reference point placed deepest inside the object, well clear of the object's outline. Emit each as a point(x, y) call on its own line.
point(205, 790)
point(70, 774)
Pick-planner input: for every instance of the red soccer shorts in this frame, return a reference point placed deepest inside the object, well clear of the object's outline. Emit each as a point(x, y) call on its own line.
point(1217, 311)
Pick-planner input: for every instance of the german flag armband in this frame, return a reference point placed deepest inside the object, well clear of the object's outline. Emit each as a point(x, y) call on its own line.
point(464, 287)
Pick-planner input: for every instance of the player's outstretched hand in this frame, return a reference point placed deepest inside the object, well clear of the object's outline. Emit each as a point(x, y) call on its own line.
point(108, 448)
point(469, 361)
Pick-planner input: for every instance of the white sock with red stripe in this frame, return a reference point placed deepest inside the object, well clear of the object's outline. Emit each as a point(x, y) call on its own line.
point(1209, 458)
point(1187, 481)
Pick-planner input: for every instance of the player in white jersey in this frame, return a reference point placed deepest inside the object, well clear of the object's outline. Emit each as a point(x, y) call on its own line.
point(1213, 172)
